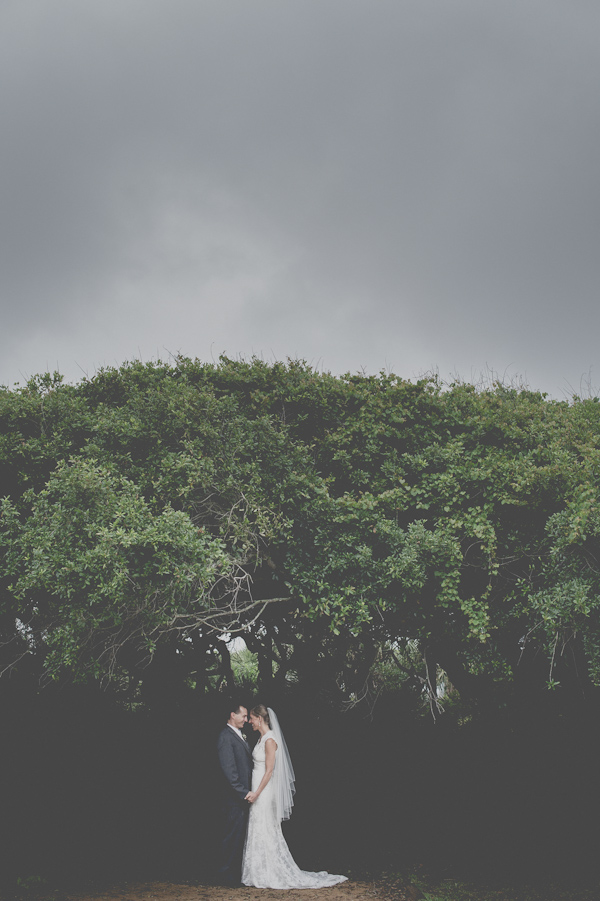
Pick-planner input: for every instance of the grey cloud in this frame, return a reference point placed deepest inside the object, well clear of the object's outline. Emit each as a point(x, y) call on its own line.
point(363, 184)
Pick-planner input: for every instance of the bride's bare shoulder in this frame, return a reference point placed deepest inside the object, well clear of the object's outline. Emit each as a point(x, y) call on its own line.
point(270, 736)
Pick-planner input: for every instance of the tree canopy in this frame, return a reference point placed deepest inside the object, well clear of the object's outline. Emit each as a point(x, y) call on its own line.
point(336, 523)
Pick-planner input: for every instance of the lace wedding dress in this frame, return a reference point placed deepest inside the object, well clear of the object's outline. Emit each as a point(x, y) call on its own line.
point(267, 860)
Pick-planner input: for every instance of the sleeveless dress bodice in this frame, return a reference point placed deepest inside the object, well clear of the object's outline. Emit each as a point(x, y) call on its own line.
point(259, 759)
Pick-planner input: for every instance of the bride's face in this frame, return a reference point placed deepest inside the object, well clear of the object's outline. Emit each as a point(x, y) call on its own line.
point(255, 721)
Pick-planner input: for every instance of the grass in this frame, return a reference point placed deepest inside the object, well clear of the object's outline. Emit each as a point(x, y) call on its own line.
point(451, 889)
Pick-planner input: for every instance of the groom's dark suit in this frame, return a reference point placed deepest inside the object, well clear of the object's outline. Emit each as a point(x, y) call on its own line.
point(236, 762)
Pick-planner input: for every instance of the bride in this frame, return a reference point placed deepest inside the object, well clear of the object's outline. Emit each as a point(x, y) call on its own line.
point(267, 860)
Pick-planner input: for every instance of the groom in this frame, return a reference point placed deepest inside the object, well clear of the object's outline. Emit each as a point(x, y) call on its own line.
point(236, 762)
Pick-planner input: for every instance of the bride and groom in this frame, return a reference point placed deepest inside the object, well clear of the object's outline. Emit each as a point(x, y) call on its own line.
point(259, 794)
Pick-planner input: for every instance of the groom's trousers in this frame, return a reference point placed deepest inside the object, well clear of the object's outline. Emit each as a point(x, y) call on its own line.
point(232, 847)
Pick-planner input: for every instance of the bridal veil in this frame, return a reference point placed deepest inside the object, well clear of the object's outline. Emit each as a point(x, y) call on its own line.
point(284, 776)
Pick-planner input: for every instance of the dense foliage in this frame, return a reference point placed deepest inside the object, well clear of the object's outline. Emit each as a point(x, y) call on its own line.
point(349, 528)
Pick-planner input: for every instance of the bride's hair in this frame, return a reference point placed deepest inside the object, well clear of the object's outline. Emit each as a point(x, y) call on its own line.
point(261, 710)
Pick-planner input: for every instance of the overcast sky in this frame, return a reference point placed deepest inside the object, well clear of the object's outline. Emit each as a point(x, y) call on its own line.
point(409, 185)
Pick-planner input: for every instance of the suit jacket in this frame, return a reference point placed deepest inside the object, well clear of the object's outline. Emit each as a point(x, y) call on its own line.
point(235, 758)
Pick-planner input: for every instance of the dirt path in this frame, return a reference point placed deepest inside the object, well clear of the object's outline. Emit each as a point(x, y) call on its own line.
point(166, 891)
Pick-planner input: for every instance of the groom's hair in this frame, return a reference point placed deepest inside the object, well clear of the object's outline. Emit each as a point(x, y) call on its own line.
point(232, 705)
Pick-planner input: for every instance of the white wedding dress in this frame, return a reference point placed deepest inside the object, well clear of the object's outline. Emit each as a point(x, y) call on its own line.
point(267, 860)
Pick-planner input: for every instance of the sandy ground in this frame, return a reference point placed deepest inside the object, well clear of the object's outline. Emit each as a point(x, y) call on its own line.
point(164, 891)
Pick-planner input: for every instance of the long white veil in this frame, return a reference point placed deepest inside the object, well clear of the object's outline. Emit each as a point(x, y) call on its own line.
point(283, 776)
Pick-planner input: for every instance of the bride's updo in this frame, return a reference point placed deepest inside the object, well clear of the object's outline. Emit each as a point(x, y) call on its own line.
point(261, 710)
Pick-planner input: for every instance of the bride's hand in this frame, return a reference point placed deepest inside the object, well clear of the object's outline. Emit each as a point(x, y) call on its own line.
point(251, 797)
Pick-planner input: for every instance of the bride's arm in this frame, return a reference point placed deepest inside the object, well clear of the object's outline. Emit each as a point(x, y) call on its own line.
point(270, 748)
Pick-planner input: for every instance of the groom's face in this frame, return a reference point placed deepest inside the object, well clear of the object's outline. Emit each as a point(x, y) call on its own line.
point(239, 717)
